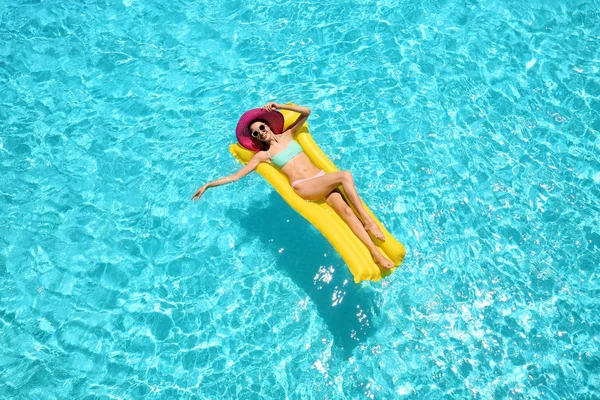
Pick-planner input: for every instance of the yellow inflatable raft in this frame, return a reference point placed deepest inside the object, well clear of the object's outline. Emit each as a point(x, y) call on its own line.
point(327, 221)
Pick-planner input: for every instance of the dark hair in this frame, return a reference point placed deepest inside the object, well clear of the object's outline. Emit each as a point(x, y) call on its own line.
point(264, 146)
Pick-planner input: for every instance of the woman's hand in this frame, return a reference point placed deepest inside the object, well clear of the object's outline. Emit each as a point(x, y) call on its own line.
point(270, 106)
point(199, 193)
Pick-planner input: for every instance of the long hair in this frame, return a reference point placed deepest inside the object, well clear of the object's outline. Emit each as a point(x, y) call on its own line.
point(264, 146)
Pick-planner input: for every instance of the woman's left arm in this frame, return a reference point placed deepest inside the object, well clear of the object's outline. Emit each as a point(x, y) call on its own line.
point(297, 124)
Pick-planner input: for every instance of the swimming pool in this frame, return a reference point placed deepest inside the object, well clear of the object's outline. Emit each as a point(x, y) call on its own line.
point(471, 129)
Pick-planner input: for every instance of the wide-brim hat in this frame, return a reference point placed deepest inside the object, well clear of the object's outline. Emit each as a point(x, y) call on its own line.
point(273, 118)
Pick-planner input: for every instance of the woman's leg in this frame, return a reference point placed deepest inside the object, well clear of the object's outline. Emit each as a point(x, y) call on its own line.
point(337, 202)
point(318, 188)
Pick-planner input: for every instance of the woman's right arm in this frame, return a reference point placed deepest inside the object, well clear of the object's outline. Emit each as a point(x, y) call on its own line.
point(251, 166)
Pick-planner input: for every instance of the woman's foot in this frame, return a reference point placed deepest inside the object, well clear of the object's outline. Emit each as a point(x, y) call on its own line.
point(373, 229)
point(382, 261)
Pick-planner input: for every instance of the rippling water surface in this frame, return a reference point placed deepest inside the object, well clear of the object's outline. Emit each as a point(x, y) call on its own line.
point(471, 128)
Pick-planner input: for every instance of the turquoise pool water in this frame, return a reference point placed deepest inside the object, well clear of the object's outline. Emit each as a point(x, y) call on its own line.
point(471, 128)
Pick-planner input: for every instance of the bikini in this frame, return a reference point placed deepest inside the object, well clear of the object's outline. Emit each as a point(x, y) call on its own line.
point(280, 159)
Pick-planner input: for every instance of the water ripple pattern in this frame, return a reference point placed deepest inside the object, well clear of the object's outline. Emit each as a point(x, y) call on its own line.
point(471, 128)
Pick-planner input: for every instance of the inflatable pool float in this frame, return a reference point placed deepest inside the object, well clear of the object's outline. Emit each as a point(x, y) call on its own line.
point(326, 220)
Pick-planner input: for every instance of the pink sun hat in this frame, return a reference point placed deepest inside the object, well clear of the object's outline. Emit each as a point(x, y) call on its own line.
point(274, 119)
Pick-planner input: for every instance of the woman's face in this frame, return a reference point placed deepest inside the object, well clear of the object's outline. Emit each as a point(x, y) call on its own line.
point(261, 131)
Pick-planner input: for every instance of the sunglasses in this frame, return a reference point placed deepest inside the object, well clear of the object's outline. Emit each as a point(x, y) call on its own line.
point(255, 133)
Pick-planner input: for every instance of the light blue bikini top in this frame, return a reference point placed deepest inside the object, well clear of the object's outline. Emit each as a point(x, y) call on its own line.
point(282, 158)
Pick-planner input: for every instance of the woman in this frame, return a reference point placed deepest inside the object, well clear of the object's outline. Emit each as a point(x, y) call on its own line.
point(260, 130)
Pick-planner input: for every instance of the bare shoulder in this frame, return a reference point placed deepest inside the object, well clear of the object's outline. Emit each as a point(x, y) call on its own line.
point(288, 133)
point(261, 156)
